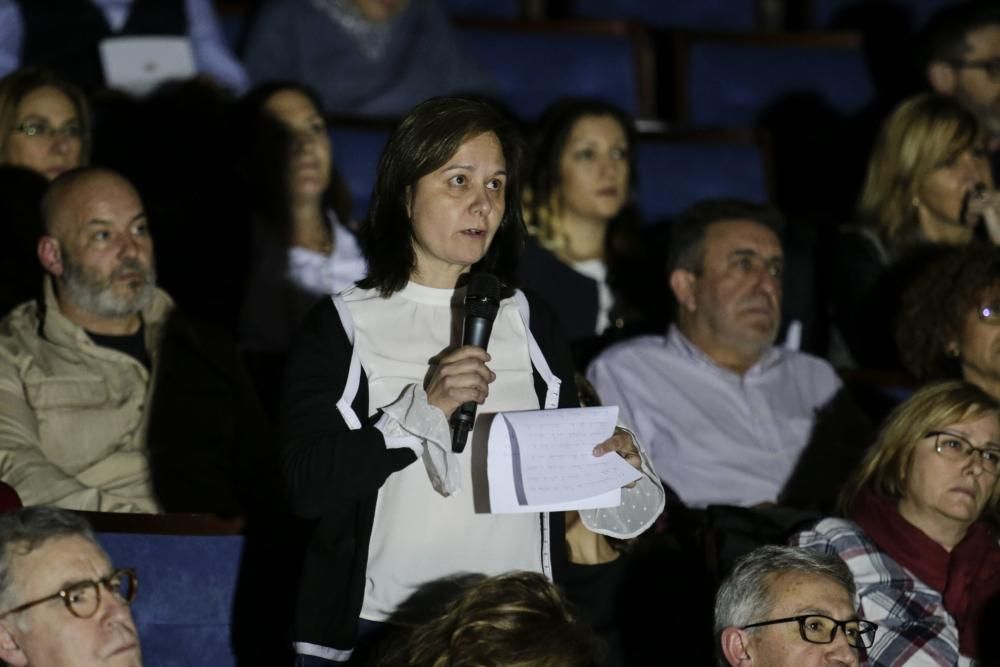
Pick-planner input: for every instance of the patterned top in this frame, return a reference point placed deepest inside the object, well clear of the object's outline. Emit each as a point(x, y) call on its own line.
point(914, 627)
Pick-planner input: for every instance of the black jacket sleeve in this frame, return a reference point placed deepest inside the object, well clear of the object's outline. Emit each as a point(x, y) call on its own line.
point(323, 461)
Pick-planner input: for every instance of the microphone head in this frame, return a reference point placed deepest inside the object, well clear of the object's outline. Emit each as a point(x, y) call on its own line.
point(483, 287)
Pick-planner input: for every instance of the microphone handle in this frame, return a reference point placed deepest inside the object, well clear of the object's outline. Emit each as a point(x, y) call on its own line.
point(477, 332)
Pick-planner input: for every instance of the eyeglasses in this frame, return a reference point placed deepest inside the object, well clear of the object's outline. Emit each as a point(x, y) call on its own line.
point(991, 67)
point(83, 598)
point(957, 448)
point(989, 313)
point(819, 629)
point(37, 129)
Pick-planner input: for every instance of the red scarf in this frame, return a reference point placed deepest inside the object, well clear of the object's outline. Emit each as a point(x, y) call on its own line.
point(967, 578)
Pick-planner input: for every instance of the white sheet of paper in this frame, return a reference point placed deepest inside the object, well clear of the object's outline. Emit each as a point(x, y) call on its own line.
point(542, 461)
point(139, 64)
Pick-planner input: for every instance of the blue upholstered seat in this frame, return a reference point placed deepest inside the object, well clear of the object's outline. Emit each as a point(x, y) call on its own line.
point(703, 14)
point(824, 14)
point(184, 605)
point(676, 171)
point(730, 80)
point(535, 63)
point(356, 150)
point(506, 9)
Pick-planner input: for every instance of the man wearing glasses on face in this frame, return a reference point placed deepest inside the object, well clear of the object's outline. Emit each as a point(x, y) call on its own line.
point(961, 54)
point(788, 607)
point(62, 604)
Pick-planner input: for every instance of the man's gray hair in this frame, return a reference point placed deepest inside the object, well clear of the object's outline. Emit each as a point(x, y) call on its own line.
point(23, 531)
point(745, 596)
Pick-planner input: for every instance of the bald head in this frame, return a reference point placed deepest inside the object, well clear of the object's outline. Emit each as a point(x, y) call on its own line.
point(98, 249)
point(74, 190)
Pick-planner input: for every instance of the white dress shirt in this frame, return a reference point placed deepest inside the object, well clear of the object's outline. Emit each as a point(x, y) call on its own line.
point(714, 436)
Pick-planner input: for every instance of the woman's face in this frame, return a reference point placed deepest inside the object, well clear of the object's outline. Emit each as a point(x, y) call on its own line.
point(456, 210)
point(309, 167)
point(943, 493)
point(942, 193)
point(979, 346)
point(594, 170)
point(48, 136)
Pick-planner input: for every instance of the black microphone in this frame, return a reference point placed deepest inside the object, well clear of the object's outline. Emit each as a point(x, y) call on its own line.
point(482, 301)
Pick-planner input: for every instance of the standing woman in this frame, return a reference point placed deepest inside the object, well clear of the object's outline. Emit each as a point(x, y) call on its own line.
point(577, 207)
point(301, 248)
point(44, 123)
point(375, 374)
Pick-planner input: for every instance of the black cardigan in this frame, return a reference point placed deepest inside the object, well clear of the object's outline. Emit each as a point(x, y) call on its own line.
point(332, 474)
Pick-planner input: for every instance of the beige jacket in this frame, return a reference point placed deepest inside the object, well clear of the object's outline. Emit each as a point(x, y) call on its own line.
point(73, 414)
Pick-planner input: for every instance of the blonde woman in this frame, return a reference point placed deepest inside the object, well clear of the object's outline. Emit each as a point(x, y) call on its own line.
point(928, 184)
point(925, 561)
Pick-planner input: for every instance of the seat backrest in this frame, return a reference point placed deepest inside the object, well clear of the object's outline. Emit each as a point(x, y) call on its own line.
point(729, 80)
point(704, 14)
point(535, 63)
point(506, 9)
point(825, 14)
point(357, 146)
point(677, 169)
point(187, 582)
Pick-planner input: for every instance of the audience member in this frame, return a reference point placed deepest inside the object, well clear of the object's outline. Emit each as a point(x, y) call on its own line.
point(770, 591)
point(363, 57)
point(302, 250)
point(961, 59)
point(725, 413)
point(62, 603)
point(446, 199)
point(928, 183)
point(518, 618)
point(924, 559)
point(948, 321)
point(44, 123)
point(80, 421)
point(64, 35)
point(578, 212)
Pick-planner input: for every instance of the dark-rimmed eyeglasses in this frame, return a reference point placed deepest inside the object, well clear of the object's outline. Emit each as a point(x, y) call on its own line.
point(991, 67)
point(83, 598)
point(955, 447)
point(819, 629)
point(38, 129)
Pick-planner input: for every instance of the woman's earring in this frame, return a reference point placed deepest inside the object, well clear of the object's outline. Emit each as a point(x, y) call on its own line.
point(915, 203)
point(952, 350)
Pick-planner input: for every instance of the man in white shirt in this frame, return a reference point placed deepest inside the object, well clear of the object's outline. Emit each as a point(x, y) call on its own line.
point(724, 412)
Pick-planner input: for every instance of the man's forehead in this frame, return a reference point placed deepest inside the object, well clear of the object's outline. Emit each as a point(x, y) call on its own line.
point(56, 562)
point(102, 198)
point(983, 42)
point(728, 235)
point(795, 593)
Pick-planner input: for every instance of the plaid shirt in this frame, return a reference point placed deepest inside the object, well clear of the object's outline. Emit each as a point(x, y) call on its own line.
point(914, 627)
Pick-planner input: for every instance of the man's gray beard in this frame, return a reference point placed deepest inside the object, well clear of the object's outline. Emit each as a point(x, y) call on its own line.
point(97, 297)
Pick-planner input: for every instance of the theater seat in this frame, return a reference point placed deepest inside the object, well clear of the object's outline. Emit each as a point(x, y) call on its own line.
point(506, 9)
point(826, 14)
point(704, 14)
point(357, 146)
point(535, 63)
point(676, 169)
point(732, 79)
point(187, 582)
